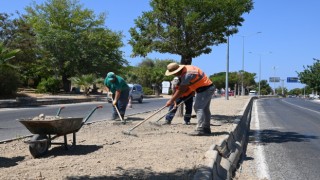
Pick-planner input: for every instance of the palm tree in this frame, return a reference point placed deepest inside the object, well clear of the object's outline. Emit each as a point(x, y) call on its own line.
point(9, 79)
point(6, 55)
point(84, 82)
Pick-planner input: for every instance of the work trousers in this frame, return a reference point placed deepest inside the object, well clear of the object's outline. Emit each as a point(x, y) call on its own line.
point(202, 108)
point(188, 102)
point(121, 104)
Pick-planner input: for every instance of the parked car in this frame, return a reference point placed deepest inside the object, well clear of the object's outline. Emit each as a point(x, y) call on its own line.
point(135, 93)
point(231, 93)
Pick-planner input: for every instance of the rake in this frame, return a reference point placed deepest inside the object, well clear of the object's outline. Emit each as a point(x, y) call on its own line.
point(128, 132)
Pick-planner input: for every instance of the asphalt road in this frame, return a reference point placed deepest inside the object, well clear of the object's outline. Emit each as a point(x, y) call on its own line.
point(10, 127)
point(285, 139)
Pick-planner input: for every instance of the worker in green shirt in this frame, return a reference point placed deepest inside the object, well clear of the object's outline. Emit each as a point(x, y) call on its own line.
point(120, 93)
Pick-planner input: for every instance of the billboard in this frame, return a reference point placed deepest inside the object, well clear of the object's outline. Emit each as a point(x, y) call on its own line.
point(274, 79)
point(292, 79)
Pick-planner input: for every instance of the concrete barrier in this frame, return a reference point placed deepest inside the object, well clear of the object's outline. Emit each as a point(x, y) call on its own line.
point(222, 159)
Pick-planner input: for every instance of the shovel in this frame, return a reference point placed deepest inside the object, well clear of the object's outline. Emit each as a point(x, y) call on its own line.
point(128, 132)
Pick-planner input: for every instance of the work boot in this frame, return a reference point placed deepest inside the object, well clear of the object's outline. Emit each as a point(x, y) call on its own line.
point(201, 132)
point(115, 117)
point(186, 123)
point(166, 122)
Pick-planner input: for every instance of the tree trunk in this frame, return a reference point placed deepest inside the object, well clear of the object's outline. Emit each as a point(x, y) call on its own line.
point(157, 90)
point(66, 83)
point(186, 60)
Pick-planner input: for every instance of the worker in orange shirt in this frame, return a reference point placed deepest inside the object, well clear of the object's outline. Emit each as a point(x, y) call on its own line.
point(195, 79)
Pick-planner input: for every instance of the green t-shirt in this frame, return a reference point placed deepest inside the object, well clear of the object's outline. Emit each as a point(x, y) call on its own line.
point(118, 84)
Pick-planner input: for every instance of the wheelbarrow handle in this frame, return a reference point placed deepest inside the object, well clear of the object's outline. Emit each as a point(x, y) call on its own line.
point(59, 110)
point(89, 115)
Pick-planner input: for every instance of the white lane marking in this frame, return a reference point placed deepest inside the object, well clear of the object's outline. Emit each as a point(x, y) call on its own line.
point(300, 106)
point(262, 168)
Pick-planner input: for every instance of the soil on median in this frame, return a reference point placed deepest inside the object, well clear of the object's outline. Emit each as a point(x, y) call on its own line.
point(104, 152)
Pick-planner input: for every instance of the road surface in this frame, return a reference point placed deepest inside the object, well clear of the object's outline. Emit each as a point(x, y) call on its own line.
point(284, 140)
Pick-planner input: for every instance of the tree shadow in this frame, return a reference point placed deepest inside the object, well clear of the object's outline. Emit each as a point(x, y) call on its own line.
point(8, 162)
point(72, 150)
point(274, 136)
point(146, 173)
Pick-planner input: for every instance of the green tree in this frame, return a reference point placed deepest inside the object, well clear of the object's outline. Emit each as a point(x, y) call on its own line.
point(265, 88)
point(9, 78)
point(74, 40)
point(85, 81)
point(186, 28)
point(219, 80)
point(18, 34)
point(295, 91)
point(311, 75)
point(248, 81)
point(7, 55)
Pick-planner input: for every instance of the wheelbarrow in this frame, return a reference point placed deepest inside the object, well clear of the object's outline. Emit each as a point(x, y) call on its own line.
point(46, 130)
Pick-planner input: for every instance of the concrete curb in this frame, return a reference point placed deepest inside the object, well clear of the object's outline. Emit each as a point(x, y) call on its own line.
point(40, 102)
point(222, 159)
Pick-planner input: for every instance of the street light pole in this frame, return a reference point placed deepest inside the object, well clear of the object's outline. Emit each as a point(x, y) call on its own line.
point(274, 80)
point(260, 55)
point(259, 75)
point(242, 73)
point(227, 72)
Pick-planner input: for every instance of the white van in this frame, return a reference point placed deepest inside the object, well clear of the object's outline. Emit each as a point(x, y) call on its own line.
point(252, 93)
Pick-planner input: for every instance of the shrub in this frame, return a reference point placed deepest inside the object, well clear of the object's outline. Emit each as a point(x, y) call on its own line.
point(9, 81)
point(147, 91)
point(51, 85)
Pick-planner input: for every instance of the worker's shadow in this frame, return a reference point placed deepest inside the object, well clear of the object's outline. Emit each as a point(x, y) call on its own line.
point(8, 162)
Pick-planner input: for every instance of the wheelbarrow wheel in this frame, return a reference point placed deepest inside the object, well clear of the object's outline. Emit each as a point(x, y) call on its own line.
point(40, 145)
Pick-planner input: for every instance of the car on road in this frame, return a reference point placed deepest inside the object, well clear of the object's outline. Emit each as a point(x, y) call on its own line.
point(135, 93)
point(252, 93)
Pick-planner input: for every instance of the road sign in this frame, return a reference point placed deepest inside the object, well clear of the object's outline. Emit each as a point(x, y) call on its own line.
point(274, 79)
point(292, 79)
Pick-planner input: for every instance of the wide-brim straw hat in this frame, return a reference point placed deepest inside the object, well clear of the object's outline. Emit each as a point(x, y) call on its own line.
point(173, 68)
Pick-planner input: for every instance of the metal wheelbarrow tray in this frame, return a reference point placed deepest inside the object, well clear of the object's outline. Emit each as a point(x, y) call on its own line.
point(47, 130)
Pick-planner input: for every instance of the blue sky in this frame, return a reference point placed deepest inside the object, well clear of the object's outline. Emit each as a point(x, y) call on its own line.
point(289, 29)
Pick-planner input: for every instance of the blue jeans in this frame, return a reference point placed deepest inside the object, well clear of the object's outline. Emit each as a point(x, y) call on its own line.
point(121, 104)
point(188, 102)
point(202, 108)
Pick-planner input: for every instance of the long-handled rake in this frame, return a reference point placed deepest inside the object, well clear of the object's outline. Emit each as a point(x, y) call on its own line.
point(128, 132)
point(156, 122)
point(115, 106)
